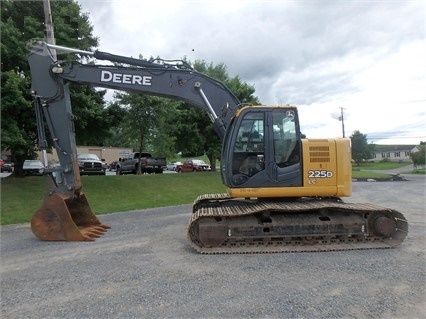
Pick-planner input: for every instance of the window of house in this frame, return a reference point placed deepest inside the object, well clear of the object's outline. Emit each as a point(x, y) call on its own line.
point(396, 154)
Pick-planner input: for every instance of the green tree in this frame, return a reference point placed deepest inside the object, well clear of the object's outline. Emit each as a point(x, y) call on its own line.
point(115, 114)
point(164, 140)
point(360, 149)
point(18, 126)
point(418, 157)
point(194, 131)
point(142, 123)
point(22, 21)
point(178, 126)
point(92, 121)
point(243, 91)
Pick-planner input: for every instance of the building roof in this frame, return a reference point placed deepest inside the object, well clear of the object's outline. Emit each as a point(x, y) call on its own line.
point(394, 148)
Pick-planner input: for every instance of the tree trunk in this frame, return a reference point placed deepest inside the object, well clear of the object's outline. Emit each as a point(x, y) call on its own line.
point(139, 171)
point(212, 160)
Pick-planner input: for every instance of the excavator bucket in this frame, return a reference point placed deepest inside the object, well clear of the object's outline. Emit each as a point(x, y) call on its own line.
point(64, 218)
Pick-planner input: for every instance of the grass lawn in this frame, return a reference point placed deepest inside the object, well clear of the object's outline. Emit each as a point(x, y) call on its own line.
point(363, 170)
point(379, 166)
point(368, 174)
point(21, 197)
point(421, 171)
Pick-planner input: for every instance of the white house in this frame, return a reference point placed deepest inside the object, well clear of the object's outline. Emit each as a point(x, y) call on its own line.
point(394, 153)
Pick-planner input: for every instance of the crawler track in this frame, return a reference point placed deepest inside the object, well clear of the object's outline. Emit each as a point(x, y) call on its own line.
point(220, 224)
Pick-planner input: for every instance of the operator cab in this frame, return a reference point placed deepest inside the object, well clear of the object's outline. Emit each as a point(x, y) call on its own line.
point(262, 148)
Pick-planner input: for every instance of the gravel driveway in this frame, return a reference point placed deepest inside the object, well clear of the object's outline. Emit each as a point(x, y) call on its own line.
point(144, 268)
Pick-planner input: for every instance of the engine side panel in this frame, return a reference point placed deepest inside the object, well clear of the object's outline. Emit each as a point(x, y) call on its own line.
point(327, 163)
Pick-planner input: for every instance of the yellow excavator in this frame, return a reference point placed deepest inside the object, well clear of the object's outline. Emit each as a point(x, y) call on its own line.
point(284, 192)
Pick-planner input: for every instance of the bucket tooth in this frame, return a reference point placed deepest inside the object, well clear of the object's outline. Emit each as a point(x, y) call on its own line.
point(65, 218)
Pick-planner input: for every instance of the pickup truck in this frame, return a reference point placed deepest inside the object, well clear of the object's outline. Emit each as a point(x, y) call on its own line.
point(90, 164)
point(149, 164)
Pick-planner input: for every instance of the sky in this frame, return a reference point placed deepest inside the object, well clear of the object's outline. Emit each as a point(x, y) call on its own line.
point(365, 59)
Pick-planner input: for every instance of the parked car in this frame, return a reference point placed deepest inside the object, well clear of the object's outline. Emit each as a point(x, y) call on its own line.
point(5, 167)
point(90, 164)
point(193, 165)
point(143, 161)
point(172, 166)
point(33, 168)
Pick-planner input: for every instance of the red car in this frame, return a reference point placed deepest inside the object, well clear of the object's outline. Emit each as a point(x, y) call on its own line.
point(5, 167)
point(192, 165)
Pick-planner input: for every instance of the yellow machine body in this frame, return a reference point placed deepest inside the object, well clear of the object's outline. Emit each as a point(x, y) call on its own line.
point(327, 172)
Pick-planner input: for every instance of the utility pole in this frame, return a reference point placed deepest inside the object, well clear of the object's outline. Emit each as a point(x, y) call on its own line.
point(50, 38)
point(343, 121)
point(48, 22)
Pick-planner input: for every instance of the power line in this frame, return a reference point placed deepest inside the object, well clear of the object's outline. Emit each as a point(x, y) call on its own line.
point(391, 137)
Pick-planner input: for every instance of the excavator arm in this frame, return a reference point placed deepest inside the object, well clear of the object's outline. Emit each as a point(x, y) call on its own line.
point(65, 213)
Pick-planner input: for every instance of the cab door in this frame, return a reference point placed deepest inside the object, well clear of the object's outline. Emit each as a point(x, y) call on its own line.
point(262, 149)
point(284, 151)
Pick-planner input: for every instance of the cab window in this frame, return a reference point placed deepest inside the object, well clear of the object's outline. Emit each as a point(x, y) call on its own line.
point(285, 137)
point(248, 156)
point(250, 134)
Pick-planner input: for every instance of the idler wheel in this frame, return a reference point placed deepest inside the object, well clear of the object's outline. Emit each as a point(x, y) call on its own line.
point(384, 226)
point(212, 232)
